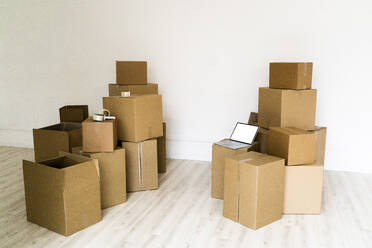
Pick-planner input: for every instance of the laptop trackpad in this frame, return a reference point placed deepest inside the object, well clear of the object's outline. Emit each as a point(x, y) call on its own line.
point(232, 144)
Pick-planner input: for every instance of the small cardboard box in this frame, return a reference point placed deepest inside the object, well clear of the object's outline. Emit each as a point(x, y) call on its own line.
point(253, 191)
point(297, 76)
point(303, 186)
point(295, 145)
point(253, 119)
point(112, 174)
point(141, 165)
point(162, 155)
point(139, 117)
point(73, 113)
point(140, 89)
point(60, 137)
point(99, 136)
point(219, 154)
point(286, 108)
point(62, 193)
point(131, 72)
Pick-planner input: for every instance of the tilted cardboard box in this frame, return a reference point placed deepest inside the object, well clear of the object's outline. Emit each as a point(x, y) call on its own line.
point(139, 117)
point(140, 89)
point(141, 165)
point(291, 75)
point(303, 188)
point(62, 193)
point(60, 137)
point(261, 138)
point(112, 174)
point(73, 113)
point(253, 190)
point(219, 154)
point(295, 145)
point(162, 154)
point(131, 72)
point(253, 119)
point(286, 108)
point(99, 136)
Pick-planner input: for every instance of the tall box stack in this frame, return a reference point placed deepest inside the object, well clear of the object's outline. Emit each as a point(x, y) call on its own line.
point(286, 116)
point(139, 124)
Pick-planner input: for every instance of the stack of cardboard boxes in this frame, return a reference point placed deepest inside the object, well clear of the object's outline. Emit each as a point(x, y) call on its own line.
point(287, 175)
point(83, 166)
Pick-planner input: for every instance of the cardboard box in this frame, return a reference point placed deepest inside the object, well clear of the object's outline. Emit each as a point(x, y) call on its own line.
point(219, 154)
point(131, 72)
point(141, 165)
point(261, 138)
point(99, 136)
point(253, 190)
point(112, 174)
point(73, 113)
point(62, 193)
point(140, 89)
point(291, 75)
point(162, 154)
point(286, 108)
point(295, 145)
point(253, 119)
point(303, 188)
point(139, 117)
point(60, 137)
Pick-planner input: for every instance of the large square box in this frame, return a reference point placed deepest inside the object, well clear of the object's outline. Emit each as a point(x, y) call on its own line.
point(286, 108)
point(253, 191)
point(139, 89)
point(73, 113)
point(162, 154)
point(141, 165)
point(219, 154)
point(62, 193)
point(139, 117)
point(131, 72)
point(303, 188)
point(99, 136)
point(295, 145)
point(291, 75)
point(112, 175)
point(48, 141)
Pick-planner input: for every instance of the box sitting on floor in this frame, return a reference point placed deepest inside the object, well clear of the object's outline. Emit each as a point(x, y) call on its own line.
point(62, 193)
point(112, 171)
point(223, 149)
point(141, 165)
point(304, 183)
point(253, 189)
point(60, 137)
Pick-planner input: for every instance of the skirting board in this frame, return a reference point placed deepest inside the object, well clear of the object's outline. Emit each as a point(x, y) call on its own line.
point(182, 148)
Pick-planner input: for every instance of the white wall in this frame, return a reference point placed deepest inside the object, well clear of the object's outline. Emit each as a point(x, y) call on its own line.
point(208, 56)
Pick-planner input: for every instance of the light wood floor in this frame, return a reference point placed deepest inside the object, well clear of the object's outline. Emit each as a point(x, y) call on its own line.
point(182, 214)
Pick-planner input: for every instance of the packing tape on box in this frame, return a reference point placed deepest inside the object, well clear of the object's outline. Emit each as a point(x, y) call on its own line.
point(125, 93)
point(103, 115)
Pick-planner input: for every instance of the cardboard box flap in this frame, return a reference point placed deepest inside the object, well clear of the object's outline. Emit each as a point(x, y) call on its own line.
point(80, 159)
point(73, 113)
point(63, 126)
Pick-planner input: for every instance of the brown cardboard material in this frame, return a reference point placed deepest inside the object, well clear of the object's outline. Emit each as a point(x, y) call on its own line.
point(62, 193)
point(261, 138)
point(141, 165)
point(162, 158)
point(59, 137)
point(295, 145)
point(112, 175)
point(303, 186)
point(219, 154)
point(253, 190)
point(140, 89)
point(131, 72)
point(253, 119)
point(73, 113)
point(99, 136)
point(287, 108)
point(139, 117)
point(291, 75)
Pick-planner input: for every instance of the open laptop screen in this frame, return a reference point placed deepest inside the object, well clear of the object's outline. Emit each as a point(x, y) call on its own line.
point(244, 133)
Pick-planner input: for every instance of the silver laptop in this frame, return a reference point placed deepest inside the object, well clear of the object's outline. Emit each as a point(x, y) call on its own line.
point(242, 136)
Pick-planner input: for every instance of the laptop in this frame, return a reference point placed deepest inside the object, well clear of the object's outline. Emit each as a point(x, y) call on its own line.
point(242, 136)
